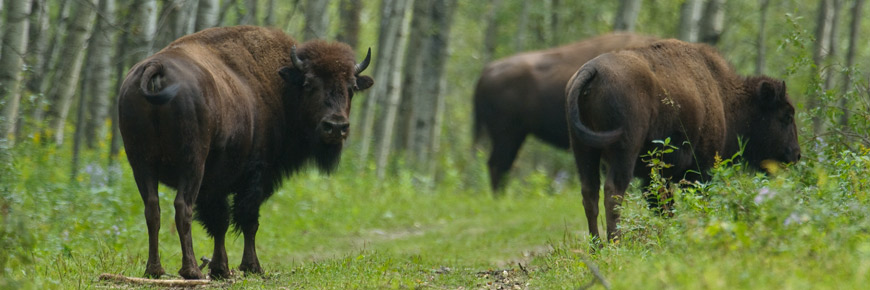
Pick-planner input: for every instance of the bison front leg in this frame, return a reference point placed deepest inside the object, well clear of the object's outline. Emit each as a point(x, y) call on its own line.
point(148, 190)
point(184, 201)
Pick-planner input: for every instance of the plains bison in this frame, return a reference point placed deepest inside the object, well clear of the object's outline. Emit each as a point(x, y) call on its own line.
point(618, 103)
point(232, 111)
point(525, 94)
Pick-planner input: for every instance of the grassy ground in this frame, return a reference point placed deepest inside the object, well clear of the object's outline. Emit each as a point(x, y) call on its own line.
point(805, 227)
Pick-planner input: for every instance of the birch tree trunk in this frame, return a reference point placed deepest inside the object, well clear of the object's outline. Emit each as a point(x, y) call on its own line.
point(348, 31)
point(97, 88)
point(11, 65)
point(393, 84)
point(43, 81)
point(72, 55)
point(854, 28)
point(555, 25)
point(206, 14)
point(270, 14)
point(759, 43)
point(430, 101)
point(490, 38)
point(412, 71)
point(820, 52)
point(690, 17)
point(626, 16)
point(832, 45)
point(316, 19)
point(249, 17)
point(37, 43)
point(392, 19)
point(522, 28)
point(712, 22)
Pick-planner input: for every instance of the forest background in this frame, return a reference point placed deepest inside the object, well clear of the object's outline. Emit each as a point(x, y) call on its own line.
point(410, 204)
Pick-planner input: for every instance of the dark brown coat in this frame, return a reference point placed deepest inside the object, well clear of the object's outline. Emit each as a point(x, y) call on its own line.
point(618, 103)
point(525, 94)
point(211, 116)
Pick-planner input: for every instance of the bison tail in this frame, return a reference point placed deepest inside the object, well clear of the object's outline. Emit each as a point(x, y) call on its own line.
point(580, 132)
point(153, 85)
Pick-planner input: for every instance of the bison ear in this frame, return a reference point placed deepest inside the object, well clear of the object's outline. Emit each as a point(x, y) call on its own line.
point(772, 93)
point(364, 82)
point(291, 75)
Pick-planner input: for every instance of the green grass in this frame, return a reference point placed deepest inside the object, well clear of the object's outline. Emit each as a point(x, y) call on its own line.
point(809, 229)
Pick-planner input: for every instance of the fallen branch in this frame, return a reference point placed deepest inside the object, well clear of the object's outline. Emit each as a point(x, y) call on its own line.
point(144, 281)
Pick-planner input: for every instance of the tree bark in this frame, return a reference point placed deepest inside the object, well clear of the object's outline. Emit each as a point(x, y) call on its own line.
point(11, 65)
point(490, 39)
point(393, 84)
point(854, 28)
point(249, 17)
point(348, 32)
point(316, 19)
point(42, 82)
point(38, 41)
point(430, 100)
point(626, 16)
point(270, 14)
point(97, 88)
point(832, 45)
point(72, 56)
point(412, 72)
point(522, 28)
point(690, 17)
point(759, 45)
point(392, 19)
point(820, 52)
point(206, 14)
point(555, 28)
point(712, 22)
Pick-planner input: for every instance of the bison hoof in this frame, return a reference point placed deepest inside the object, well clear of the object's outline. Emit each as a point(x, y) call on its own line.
point(154, 271)
point(252, 268)
point(191, 273)
point(218, 272)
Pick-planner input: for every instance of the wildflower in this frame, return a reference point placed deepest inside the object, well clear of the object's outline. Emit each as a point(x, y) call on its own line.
point(764, 194)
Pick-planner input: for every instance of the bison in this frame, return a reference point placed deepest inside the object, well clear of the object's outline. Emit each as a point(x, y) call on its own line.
point(618, 103)
point(229, 112)
point(525, 94)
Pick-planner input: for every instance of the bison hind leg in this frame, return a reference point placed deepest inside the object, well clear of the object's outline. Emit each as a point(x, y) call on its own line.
point(213, 211)
point(246, 215)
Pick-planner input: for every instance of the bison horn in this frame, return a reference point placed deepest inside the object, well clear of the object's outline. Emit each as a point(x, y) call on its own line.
point(360, 67)
point(295, 58)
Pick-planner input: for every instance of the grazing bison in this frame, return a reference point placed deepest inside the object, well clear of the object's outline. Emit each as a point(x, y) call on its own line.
point(618, 103)
point(232, 111)
point(525, 94)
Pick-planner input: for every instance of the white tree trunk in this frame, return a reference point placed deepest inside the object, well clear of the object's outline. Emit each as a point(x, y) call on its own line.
point(759, 43)
point(11, 64)
point(626, 16)
point(712, 22)
point(206, 14)
point(72, 55)
point(491, 36)
point(820, 52)
point(392, 19)
point(316, 19)
point(393, 85)
point(97, 88)
point(413, 72)
point(430, 101)
point(690, 17)
point(854, 28)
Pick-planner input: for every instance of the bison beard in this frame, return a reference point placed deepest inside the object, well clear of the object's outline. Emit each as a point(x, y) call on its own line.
point(227, 113)
point(619, 103)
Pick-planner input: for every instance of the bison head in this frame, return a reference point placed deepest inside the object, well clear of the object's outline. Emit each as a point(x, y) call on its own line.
point(321, 84)
point(771, 132)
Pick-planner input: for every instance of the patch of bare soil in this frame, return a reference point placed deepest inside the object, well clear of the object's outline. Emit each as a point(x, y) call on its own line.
point(514, 278)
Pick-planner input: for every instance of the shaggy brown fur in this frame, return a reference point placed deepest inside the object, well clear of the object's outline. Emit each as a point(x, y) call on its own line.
point(618, 103)
point(525, 94)
point(225, 112)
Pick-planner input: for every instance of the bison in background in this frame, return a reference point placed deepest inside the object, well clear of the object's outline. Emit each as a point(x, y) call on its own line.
point(230, 112)
point(525, 94)
point(618, 103)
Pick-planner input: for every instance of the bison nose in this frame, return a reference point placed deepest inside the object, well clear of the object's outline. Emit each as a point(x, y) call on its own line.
point(335, 128)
